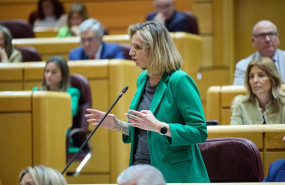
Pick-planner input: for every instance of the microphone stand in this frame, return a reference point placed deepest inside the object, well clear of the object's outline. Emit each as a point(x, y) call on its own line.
point(89, 137)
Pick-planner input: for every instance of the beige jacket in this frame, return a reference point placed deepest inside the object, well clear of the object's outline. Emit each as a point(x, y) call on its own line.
point(245, 113)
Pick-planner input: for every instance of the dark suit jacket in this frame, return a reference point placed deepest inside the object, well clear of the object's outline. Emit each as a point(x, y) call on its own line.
point(276, 172)
point(109, 51)
point(178, 22)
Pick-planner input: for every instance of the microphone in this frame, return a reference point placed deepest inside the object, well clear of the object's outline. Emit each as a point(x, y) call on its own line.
point(89, 137)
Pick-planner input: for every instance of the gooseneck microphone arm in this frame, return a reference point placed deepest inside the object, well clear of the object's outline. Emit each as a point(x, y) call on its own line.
point(86, 141)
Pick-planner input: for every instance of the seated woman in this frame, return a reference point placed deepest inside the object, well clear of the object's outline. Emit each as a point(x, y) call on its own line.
point(7, 52)
point(56, 78)
point(51, 14)
point(41, 175)
point(265, 101)
point(76, 15)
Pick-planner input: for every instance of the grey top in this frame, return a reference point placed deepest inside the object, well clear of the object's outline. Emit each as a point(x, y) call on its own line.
point(142, 152)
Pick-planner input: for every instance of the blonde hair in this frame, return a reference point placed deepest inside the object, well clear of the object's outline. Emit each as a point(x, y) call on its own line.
point(269, 68)
point(163, 54)
point(44, 176)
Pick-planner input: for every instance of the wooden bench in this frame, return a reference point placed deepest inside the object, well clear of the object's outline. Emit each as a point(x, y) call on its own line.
point(267, 138)
point(31, 131)
point(219, 100)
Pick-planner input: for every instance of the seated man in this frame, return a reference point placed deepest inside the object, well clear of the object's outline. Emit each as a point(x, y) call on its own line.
point(91, 33)
point(276, 171)
point(265, 39)
point(166, 14)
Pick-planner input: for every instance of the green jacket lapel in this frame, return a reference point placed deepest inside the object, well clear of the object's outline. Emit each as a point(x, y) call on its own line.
point(159, 92)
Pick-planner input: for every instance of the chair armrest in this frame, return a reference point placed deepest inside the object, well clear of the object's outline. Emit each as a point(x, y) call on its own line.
point(75, 131)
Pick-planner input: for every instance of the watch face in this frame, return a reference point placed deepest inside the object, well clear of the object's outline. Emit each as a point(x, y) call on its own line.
point(163, 130)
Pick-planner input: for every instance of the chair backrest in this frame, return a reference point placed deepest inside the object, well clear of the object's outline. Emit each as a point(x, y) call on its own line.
point(192, 20)
point(30, 54)
point(18, 28)
point(85, 101)
point(125, 49)
point(232, 160)
point(34, 15)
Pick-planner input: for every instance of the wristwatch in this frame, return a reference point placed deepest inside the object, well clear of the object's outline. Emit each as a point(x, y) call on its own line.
point(163, 129)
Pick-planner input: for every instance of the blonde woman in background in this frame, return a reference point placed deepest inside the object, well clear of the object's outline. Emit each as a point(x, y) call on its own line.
point(264, 104)
point(41, 175)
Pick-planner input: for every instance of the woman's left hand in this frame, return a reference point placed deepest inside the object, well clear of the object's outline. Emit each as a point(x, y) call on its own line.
point(144, 120)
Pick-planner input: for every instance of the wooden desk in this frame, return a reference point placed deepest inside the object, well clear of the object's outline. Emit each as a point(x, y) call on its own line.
point(106, 78)
point(28, 134)
point(41, 32)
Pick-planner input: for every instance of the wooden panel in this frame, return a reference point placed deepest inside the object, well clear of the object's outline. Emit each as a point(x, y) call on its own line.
point(16, 144)
point(226, 114)
point(213, 103)
point(270, 157)
point(191, 49)
point(273, 140)
point(254, 137)
point(251, 132)
point(228, 93)
point(29, 85)
point(10, 72)
point(90, 69)
point(11, 86)
point(34, 71)
point(23, 14)
point(207, 50)
point(203, 12)
point(17, 102)
point(89, 179)
point(210, 76)
point(45, 32)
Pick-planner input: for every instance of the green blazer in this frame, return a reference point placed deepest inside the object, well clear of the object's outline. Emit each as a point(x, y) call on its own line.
point(177, 102)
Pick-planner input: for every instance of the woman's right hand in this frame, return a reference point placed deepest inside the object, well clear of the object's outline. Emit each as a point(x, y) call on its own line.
point(96, 116)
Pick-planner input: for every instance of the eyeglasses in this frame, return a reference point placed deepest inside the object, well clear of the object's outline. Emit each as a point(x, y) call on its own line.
point(271, 35)
point(90, 39)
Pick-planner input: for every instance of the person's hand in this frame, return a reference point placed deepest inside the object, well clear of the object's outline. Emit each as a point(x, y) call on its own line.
point(144, 120)
point(95, 117)
point(74, 30)
point(159, 18)
point(3, 55)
